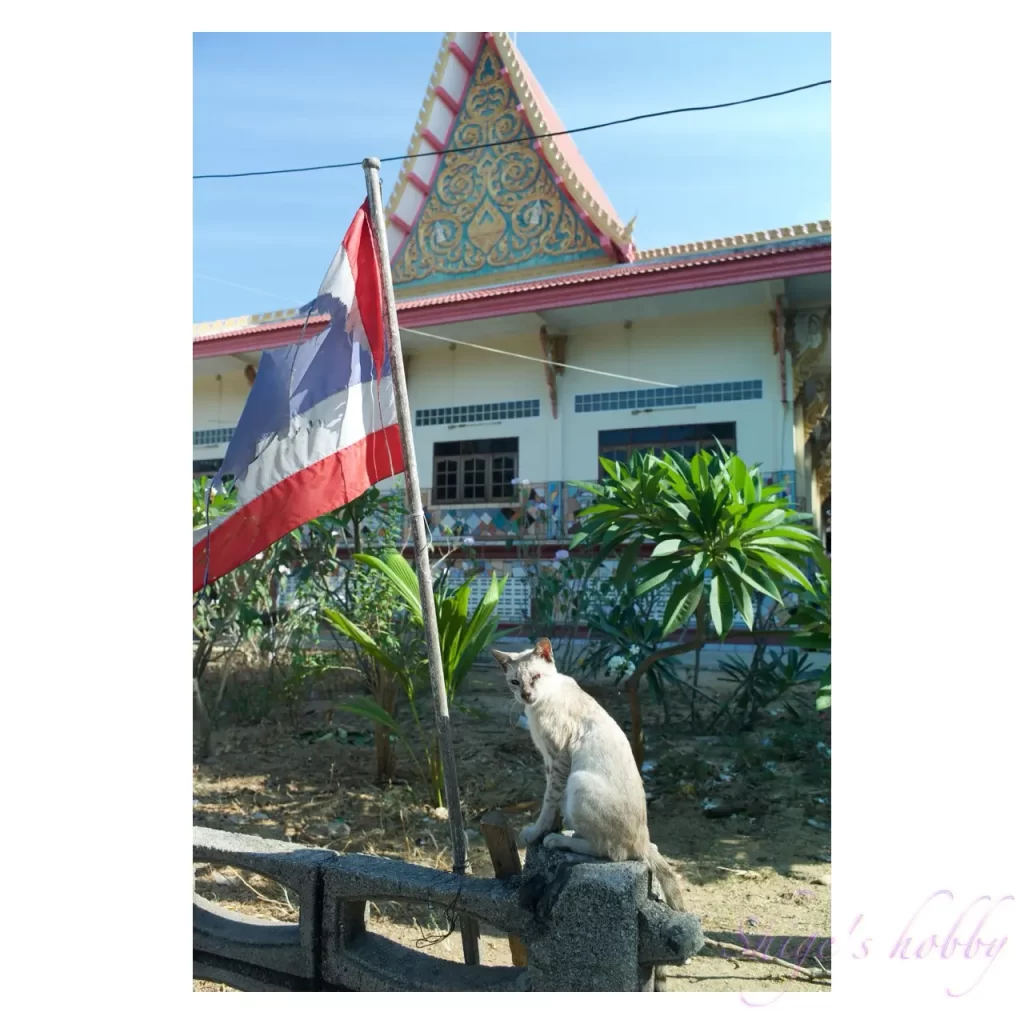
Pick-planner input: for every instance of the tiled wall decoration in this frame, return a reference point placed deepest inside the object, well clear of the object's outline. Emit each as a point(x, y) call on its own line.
point(547, 512)
point(534, 517)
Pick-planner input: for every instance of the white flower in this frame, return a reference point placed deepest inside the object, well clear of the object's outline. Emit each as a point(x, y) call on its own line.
point(259, 557)
point(283, 570)
point(561, 555)
point(634, 650)
point(615, 663)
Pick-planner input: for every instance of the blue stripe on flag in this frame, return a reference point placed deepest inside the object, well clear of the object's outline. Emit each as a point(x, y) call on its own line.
point(292, 380)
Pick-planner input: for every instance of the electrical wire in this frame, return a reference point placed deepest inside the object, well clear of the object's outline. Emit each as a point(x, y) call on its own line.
point(537, 359)
point(525, 138)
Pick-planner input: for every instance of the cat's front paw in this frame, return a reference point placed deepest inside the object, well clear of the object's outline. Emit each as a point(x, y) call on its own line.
point(531, 834)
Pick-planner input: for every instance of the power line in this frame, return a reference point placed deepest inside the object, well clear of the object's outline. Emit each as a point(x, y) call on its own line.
point(537, 359)
point(525, 138)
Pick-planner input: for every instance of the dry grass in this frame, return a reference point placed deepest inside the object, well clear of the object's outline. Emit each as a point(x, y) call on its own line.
point(763, 870)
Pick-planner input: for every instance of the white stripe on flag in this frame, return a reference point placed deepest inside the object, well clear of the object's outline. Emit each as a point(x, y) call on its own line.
point(337, 422)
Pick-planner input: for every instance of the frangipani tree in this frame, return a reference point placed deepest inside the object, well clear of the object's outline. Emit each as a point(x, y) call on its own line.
point(720, 535)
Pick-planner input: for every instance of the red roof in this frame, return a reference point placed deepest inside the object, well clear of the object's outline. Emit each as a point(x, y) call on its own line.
point(631, 280)
point(602, 274)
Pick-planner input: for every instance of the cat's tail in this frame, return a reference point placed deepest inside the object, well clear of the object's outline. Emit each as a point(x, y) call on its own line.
point(667, 878)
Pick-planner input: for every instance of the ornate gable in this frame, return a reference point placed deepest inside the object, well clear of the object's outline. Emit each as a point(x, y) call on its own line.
point(492, 214)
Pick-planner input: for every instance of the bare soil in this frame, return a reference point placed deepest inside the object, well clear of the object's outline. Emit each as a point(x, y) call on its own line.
point(758, 875)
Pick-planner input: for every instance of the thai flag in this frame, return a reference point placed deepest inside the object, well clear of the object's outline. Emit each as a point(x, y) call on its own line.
point(319, 427)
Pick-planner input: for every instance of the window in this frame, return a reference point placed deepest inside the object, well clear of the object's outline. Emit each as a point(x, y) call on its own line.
point(475, 471)
point(619, 445)
point(205, 467)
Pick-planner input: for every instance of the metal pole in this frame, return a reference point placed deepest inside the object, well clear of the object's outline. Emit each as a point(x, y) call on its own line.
point(460, 863)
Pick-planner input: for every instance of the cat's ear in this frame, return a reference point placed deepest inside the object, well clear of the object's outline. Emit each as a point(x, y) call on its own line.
point(501, 658)
point(543, 650)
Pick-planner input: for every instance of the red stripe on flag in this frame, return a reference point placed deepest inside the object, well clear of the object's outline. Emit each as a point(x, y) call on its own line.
point(311, 492)
point(362, 258)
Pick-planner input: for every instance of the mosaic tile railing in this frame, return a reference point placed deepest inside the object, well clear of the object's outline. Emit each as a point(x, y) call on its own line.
point(544, 512)
point(506, 539)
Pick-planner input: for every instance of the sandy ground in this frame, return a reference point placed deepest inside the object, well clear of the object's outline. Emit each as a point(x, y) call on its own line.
point(763, 871)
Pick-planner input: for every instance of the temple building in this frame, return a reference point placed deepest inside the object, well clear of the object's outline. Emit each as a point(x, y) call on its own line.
point(517, 248)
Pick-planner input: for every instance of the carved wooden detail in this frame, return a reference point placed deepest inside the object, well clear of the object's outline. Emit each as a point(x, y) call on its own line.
point(552, 347)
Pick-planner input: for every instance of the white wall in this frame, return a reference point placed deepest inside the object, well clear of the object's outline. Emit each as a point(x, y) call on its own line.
point(439, 378)
point(704, 349)
point(698, 349)
point(217, 403)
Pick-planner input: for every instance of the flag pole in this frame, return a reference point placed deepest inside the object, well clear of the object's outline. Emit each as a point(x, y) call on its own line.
point(460, 863)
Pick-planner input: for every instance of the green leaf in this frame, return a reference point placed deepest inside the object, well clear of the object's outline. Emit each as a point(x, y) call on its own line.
point(667, 547)
point(359, 636)
point(680, 509)
point(809, 643)
point(762, 581)
point(761, 516)
point(823, 700)
point(654, 581)
point(612, 540)
point(401, 576)
point(737, 562)
point(784, 543)
point(741, 597)
point(627, 560)
point(369, 708)
point(699, 472)
point(792, 532)
point(783, 566)
point(681, 604)
point(721, 605)
point(593, 510)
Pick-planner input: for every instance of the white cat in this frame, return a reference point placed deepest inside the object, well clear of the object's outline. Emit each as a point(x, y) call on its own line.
point(591, 774)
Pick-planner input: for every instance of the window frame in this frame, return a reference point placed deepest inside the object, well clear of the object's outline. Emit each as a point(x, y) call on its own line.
point(630, 446)
point(489, 487)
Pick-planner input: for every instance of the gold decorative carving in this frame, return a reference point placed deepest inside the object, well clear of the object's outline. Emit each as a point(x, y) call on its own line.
point(815, 410)
point(495, 207)
point(553, 348)
point(823, 473)
point(806, 361)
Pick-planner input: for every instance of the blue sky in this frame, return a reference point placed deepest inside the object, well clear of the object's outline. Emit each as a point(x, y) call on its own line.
point(271, 100)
